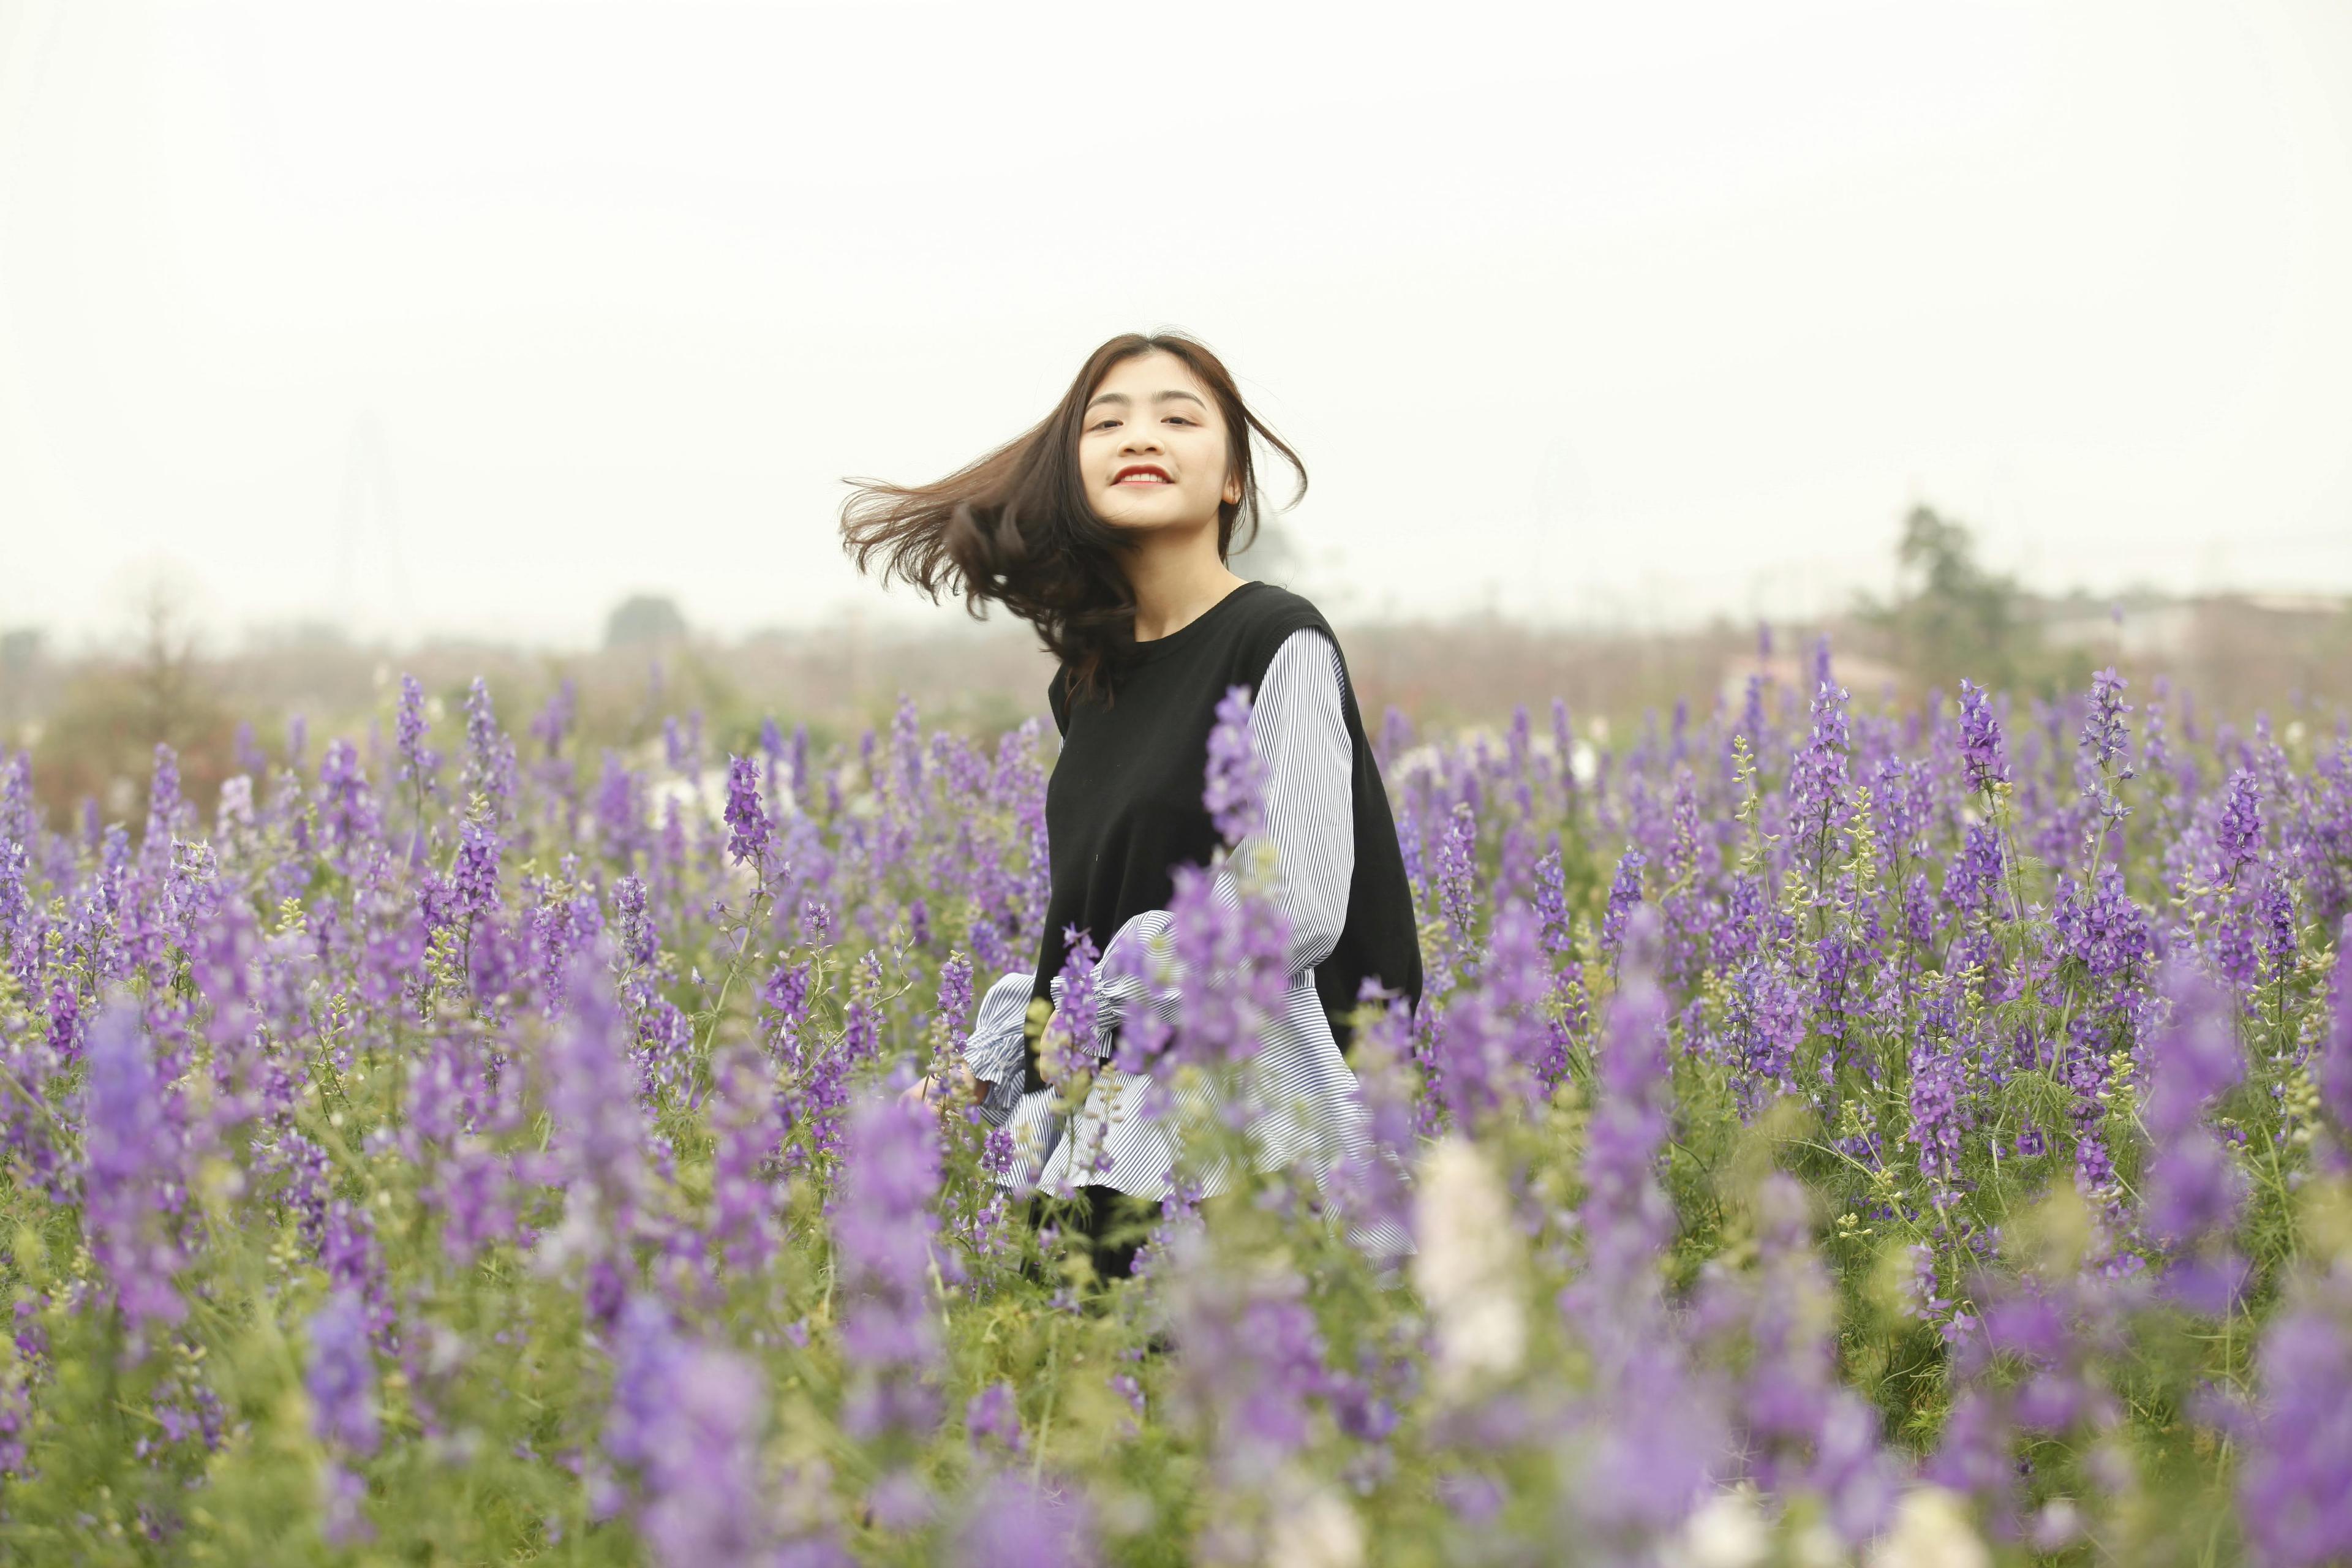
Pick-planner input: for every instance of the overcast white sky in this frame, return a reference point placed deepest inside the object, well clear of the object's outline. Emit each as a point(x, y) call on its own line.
point(475, 318)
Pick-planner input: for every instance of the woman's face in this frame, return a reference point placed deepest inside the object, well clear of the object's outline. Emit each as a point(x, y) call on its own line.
point(1151, 413)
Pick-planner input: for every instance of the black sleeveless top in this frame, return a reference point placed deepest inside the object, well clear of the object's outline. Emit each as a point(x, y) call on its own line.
point(1123, 807)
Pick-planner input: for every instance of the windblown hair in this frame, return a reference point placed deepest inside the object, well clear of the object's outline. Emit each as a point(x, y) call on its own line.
point(1016, 527)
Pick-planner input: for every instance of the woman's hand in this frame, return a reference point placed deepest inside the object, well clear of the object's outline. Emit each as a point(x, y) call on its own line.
point(934, 1090)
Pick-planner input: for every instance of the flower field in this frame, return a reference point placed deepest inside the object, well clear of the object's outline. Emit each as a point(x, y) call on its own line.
point(1828, 1135)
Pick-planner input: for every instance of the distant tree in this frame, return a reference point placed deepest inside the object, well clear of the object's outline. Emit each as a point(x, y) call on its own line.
point(1953, 617)
point(99, 740)
point(643, 618)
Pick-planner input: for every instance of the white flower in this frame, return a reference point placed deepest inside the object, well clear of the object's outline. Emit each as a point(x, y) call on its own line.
point(1931, 1531)
point(1469, 1267)
point(1319, 1530)
point(1727, 1530)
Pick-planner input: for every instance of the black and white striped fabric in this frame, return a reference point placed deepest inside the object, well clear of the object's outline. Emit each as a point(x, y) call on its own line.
point(1315, 1113)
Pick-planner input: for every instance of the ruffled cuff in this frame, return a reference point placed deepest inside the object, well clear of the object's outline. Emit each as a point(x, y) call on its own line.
point(993, 1053)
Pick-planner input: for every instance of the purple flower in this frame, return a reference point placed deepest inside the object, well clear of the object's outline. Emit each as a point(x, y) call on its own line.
point(489, 752)
point(474, 878)
point(2104, 743)
point(600, 1131)
point(686, 1420)
point(1551, 900)
point(1818, 775)
point(131, 1171)
point(883, 1222)
point(1372, 1189)
point(2333, 1072)
point(1498, 1035)
point(993, 1414)
point(1015, 1524)
point(419, 761)
point(2294, 1484)
point(748, 830)
point(1081, 1004)
point(1803, 1429)
point(1976, 872)
point(1626, 1219)
point(2105, 737)
point(2193, 1187)
point(341, 1374)
point(954, 1003)
point(748, 1128)
point(347, 810)
point(1981, 749)
point(1236, 795)
point(1937, 1116)
point(1457, 866)
point(164, 806)
point(2275, 908)
point(1229, 975)
point(1624, 898)
point(2238, 837)
point(1253, 1357)
point(1764, 1021)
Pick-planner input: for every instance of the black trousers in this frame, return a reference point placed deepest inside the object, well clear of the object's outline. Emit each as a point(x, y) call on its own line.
point(1099, 1209)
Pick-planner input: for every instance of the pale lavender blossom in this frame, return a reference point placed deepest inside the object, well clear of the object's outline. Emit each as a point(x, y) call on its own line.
point(131, 1176)
point(883, 1220)
point(341, 1374)
point(601, 1136)
point(2294, 1483)
point(685, 1422)
point(419, 763)
point(1015, 1524)
point(1624, 898)
point(1235, 792)
point(2193, 1188)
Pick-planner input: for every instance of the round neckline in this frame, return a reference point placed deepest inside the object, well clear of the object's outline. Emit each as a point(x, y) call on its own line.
point(1158, 648)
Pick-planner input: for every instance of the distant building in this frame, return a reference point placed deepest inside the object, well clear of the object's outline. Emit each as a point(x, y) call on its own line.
point(2145, 627)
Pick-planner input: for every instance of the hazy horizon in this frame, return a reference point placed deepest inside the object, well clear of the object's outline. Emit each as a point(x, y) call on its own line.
point(471, 320)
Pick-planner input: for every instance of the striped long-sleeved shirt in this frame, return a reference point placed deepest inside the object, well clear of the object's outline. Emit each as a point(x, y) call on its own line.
point(1316, 1113)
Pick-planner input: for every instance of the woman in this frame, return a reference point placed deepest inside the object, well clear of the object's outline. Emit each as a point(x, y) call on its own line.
point(1107, 527)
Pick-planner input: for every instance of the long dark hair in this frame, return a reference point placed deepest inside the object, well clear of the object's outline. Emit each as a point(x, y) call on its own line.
point(1016, 527)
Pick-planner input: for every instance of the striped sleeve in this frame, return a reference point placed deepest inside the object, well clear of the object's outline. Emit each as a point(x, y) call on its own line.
point(1299, 730)
point(993, 1051)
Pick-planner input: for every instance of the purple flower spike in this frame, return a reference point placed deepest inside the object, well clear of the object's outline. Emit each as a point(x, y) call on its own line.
point(1236, 795)
point(2193, 1187)
point(1018, 1525)
point(2334, 1071)
point(340, 1376)
point(2294, 1487)
point(685, 1419)
point(883, 1222)
point(748, 830)
point(1624, 898)
point(130, 1169)
point(1981, 749)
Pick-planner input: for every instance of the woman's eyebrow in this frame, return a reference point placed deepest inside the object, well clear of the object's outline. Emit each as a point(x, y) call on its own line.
point(1122, 399)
